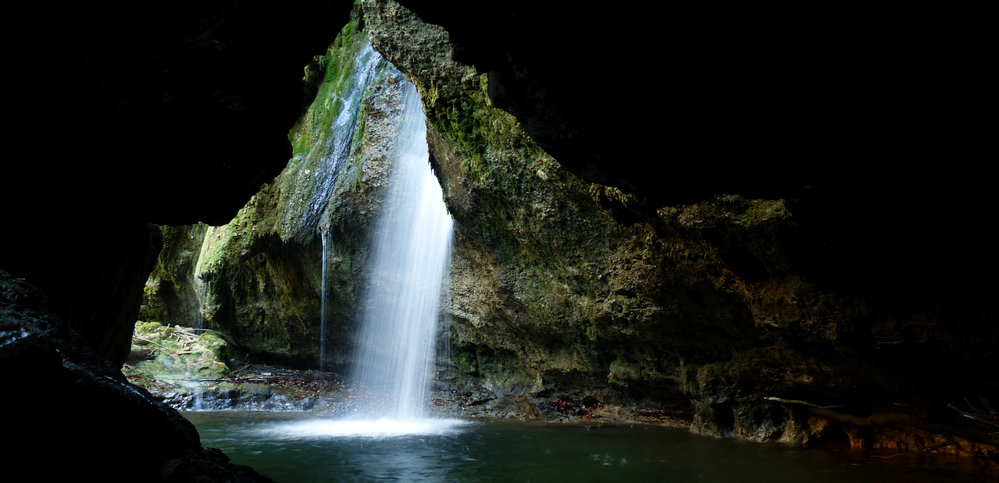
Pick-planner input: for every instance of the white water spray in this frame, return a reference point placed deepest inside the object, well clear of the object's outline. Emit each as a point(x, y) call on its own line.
point(410, 255)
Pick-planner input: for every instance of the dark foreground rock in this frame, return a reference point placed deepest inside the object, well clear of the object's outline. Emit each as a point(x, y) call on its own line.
point(68, 414)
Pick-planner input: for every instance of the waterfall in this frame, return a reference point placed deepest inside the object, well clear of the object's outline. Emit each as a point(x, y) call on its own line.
point(408, 260)
point(410, 255)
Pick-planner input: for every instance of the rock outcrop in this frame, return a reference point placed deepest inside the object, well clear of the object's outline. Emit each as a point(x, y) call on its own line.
point(259, 278)
point(564, 289)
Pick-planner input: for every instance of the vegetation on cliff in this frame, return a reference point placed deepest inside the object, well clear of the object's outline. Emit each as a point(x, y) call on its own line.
point(258, 278)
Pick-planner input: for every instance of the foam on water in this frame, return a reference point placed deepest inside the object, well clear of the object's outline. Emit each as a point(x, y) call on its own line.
point(363, 428)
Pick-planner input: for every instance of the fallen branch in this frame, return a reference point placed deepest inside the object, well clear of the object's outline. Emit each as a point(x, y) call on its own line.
point(798, 401)
point(974, 417)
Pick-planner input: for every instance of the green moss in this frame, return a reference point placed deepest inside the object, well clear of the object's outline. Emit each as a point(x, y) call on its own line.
point(474, 127)
point(213, 343)
point(465, 364)
point(688, 378)
point(623, 373)
point(165, 356)
point(359, 132)
point(766, 210)
point(315, 125)
point(212, 370)
point(355, 171)
point(537, 301)
point(502, 238)
point(503, 367)
point(147, 328)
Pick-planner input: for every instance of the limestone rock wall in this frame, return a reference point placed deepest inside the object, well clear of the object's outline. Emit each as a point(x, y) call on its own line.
point(566, 289)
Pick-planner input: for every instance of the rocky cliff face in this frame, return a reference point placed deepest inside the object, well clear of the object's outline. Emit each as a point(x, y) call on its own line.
point(725, 313)
point(563, 289)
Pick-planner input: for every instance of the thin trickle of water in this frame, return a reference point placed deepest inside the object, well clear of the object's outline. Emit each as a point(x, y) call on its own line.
point(365, 68)
point(322, 300)
point(410, 255)
point(201, 294)
point(202, 285)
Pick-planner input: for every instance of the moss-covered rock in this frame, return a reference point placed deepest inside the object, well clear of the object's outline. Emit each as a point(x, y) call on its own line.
point(171, 294)
point(165, 358)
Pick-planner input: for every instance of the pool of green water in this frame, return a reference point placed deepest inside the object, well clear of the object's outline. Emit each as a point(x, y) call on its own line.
point(285, 447)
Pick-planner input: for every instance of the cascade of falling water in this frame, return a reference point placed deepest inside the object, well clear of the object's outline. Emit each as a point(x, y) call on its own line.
point(410, 255)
